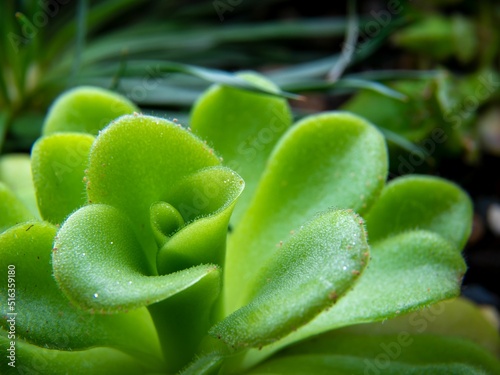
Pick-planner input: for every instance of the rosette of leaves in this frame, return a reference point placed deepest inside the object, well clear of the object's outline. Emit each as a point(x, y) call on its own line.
point(158, 249)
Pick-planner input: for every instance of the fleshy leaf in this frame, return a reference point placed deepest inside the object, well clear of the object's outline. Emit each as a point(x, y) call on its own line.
point(437, 335)
point(205, 200)
point(330, 160)
point(12, 210)
point(31, 359)
point(421, 203)
point(458, 318)
point(406, 272)
point(58, 163)
point(305, 276)
point(136, 162)
point(366, 355)
point(86, 110)
point(15, 172)
point(99, 264)
point(44, 315)
point(243, 127)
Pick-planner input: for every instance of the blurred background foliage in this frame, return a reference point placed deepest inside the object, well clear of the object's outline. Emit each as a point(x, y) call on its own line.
point(425, 72)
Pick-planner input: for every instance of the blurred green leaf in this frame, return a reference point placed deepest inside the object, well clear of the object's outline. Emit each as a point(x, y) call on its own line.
point(4, 119)
point(455, 318)
point(15, 172)
point(413, 119)
point(366, 355)
point(99, 361)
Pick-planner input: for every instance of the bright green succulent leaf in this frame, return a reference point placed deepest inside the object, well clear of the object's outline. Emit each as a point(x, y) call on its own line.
point(305, 276)
point(183, 320)
point(453, 94)
point(165, 221)
point(421, 338)
point(99, 264)
point(457, 317)
point(447, 91)
point(465, 38)
point(205, 200)
point(58, 163)
point(407, 271)
point(32, 359)
point(86, 109)
point(15, 172)
point(330, 160)
point(243, 127)
point(389, 354)
point(421, 203)
point(437, 335)
point(45, 316)
point(139, 161)
point(12, 210)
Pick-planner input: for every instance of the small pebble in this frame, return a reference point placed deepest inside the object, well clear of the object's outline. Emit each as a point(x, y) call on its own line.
point(493, 218)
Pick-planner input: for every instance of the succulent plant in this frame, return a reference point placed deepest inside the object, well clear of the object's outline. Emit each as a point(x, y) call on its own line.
point(240, 244)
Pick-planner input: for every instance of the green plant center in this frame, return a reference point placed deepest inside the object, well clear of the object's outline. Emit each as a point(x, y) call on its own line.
point(165, 220)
